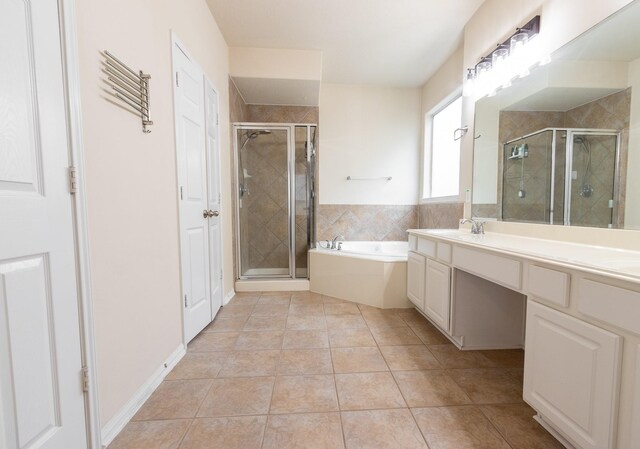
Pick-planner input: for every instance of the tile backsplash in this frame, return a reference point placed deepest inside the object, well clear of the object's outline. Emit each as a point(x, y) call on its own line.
point(366, 222)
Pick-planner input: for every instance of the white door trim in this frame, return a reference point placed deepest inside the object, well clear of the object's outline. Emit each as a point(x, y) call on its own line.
point(71, 78)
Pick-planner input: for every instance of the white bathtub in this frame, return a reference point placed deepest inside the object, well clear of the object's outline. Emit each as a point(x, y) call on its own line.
point(388, 251)
point(371, 273)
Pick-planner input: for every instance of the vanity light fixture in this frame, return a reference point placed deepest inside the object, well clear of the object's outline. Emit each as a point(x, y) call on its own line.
point(511, 59)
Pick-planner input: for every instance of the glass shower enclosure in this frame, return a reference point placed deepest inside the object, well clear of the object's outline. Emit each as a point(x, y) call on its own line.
point(562, 176)
point(275, 173)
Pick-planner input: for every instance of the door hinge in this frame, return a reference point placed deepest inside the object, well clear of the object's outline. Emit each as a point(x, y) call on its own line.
point(73, 180)
point(220, 274)
point(217, 119)
point(177, 80)
point(85, 379)
point(185, 301)
point(181, 195)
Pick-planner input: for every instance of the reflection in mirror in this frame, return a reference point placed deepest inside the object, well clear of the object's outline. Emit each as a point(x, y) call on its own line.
point(555, 146)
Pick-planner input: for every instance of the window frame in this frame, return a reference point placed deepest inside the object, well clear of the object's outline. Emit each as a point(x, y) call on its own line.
point(427, 151)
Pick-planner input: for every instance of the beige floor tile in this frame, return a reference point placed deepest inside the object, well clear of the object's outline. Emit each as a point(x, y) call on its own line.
point(341, 309)
point(306, 322)
point(198, 365)
point(235, 311)
point(250, 363)
point(238, 396)
point(151, 435)
point(429, 334)
point(306, 309)
point(451, 357)
point(275, 299)
point(270, 310)
point(304, 361)
point(300, 394)
point(395, 336)
point(409, 358)
point(304, 431)
point(381, 429)
point(213, 341)
point(306, 295)
point(376, 321)
point(429, 388)
point(226, 324)
point(248, 300)
point(358, 360)
point(294, 339)
point(516, 424)
point(332, 300)
point(489, 385)
point(174, 399)
point(349, 338)
point(366, 391)
point(256, 340)
point(457, 428)
point(505, 358)
point(345, 322)
point(312, 298)
point(244, 432)
point(265, 323)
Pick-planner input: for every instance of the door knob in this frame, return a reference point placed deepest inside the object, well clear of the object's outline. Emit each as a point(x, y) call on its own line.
point(210, 213)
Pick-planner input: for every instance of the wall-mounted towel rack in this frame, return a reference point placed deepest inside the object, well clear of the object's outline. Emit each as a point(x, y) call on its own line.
point(353, 178)
point(129, 87)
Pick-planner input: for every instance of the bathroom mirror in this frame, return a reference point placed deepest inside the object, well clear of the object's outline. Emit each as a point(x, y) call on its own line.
point(562, 145)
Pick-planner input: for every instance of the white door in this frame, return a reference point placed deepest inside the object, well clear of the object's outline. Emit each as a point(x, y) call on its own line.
point(213, 175)
point(192, 181)
point(415, 278)
point(571, 372)
point(41, 397)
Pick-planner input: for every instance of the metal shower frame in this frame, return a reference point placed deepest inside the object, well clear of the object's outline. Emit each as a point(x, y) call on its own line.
point(569, 165)
point(310, 155)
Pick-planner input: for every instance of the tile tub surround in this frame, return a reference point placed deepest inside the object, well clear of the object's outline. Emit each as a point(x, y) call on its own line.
point(352, 386)
point(441, 215)
point(365, 222)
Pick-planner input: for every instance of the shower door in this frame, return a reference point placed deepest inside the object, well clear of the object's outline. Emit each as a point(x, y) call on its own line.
point(274, 200)
point(593, 168)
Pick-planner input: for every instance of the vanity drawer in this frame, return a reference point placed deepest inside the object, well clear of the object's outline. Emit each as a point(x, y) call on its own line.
point(614, 305)
point(413, 243)
point(549, 284)
point(444, 252)
point(502, 270)
point(427, 247)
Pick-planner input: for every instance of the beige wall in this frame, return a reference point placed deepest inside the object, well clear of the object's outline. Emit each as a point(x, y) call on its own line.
point(131, 182)
point(368, 131)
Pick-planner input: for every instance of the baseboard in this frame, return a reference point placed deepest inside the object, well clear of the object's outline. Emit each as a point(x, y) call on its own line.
point(117, 423)
point(229, 297)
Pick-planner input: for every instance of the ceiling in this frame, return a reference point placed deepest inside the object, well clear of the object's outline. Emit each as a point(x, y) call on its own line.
point(383, 42)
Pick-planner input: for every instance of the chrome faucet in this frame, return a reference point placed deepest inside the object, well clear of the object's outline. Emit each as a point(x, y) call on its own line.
point(477, 227)
point(335, 239)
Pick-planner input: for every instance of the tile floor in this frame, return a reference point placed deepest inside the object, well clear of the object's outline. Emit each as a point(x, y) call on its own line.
point(306, 371)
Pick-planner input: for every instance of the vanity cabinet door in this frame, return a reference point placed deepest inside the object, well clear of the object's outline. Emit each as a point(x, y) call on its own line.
point(571, 374)
point(416, 264)
point(437, 303)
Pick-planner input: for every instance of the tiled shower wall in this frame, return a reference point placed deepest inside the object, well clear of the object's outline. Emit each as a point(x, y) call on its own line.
point(610, 112)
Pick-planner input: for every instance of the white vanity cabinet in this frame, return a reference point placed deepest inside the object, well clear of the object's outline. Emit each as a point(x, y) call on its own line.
point(572, 369)
point(437, 301)
point(416, 272)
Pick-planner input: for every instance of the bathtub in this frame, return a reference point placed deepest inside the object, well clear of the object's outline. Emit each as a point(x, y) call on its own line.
point(371, 273)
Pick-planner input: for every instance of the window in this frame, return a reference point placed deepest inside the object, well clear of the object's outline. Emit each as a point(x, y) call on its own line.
point(442, 158)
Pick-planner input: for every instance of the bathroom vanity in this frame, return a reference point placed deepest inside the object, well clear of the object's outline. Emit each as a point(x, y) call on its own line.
point(579, 304)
